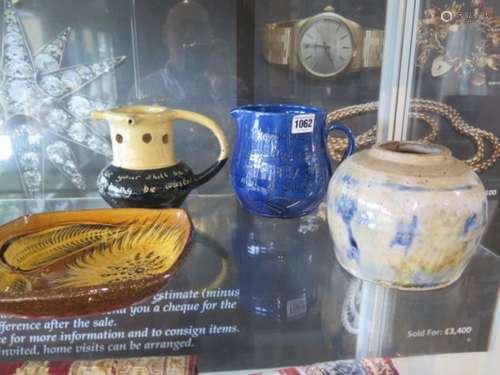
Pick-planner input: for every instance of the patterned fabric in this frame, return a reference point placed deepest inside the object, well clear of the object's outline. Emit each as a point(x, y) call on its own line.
point(367, 366)
point(126, 366)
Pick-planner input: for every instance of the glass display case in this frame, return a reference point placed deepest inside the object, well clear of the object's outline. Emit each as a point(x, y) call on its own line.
point(253, 293)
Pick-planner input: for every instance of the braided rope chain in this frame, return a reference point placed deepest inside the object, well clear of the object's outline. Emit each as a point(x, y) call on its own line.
point(421, 109)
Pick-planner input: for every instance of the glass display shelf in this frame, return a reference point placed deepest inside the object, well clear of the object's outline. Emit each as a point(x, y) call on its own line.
point(257, 293)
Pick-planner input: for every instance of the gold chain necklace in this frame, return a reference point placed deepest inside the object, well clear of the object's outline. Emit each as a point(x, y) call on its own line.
point(421, 109)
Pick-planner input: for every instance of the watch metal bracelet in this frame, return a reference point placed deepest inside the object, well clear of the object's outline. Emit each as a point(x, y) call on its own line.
point(373, 46)
point(277, 42)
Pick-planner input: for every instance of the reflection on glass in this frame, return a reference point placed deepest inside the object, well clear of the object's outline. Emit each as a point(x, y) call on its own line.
point(351, 306)
point(5, 147)
point(197, 75)
point(277, 264)
point(371, 320)
point(187, 35)
point(206, 267)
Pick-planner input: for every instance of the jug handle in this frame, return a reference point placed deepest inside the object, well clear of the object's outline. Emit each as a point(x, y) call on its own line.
point(201, 178)
point(351, 147)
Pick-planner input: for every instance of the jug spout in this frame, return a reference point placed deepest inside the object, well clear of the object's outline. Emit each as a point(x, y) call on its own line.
point(135, 114)
point(236, 112)
point(98, 115)
point(113, 117)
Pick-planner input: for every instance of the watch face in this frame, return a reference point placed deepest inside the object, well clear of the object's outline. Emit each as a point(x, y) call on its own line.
point(325, 47)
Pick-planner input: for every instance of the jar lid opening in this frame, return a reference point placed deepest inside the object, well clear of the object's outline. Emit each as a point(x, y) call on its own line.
point(414, 148)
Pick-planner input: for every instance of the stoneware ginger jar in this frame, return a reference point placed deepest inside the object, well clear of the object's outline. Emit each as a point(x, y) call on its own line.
point(406, 215)
point(144, 171)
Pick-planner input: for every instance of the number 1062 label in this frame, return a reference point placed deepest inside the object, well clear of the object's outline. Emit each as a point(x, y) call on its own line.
point(303, 124)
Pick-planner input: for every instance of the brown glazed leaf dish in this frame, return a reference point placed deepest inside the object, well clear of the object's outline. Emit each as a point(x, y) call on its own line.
point(64, 264)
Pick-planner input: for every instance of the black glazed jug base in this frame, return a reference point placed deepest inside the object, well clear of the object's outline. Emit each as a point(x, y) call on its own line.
point(155, 188)
point(144, 202)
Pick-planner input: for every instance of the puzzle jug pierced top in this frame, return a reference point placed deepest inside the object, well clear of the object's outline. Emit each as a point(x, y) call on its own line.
point(144, 171)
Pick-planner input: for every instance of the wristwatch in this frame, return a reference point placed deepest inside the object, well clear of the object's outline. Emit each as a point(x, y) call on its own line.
point(326, 45)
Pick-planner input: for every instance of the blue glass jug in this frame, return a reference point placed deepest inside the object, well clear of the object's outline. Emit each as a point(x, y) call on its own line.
point(280, 165)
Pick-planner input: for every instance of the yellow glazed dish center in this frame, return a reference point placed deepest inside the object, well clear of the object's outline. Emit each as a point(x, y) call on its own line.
point(90, 254)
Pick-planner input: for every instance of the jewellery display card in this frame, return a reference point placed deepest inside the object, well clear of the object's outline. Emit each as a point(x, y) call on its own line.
point(60, 61)
point(259, 293)
point(457, 68)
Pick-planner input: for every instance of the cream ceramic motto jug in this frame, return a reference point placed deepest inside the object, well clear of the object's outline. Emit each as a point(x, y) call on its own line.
point(406, 215)
point(144, 171)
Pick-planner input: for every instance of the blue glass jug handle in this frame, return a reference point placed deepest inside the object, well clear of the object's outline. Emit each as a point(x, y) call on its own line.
point(351, 147)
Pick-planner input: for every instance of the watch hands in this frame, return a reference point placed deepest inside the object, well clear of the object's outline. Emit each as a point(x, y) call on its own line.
point(327, 48)
point(327, 51)
point(324, 44)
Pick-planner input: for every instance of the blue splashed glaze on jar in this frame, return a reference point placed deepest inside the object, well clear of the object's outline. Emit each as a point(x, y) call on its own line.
point(347, 208)
point(470, 223)
point(349, 181)
point(353, 252)
point(406, 215)
point(280, 166)
point(405, 233)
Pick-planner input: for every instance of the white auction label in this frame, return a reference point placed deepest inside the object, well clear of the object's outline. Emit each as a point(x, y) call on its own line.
point(303, 124)
point(296, 307)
